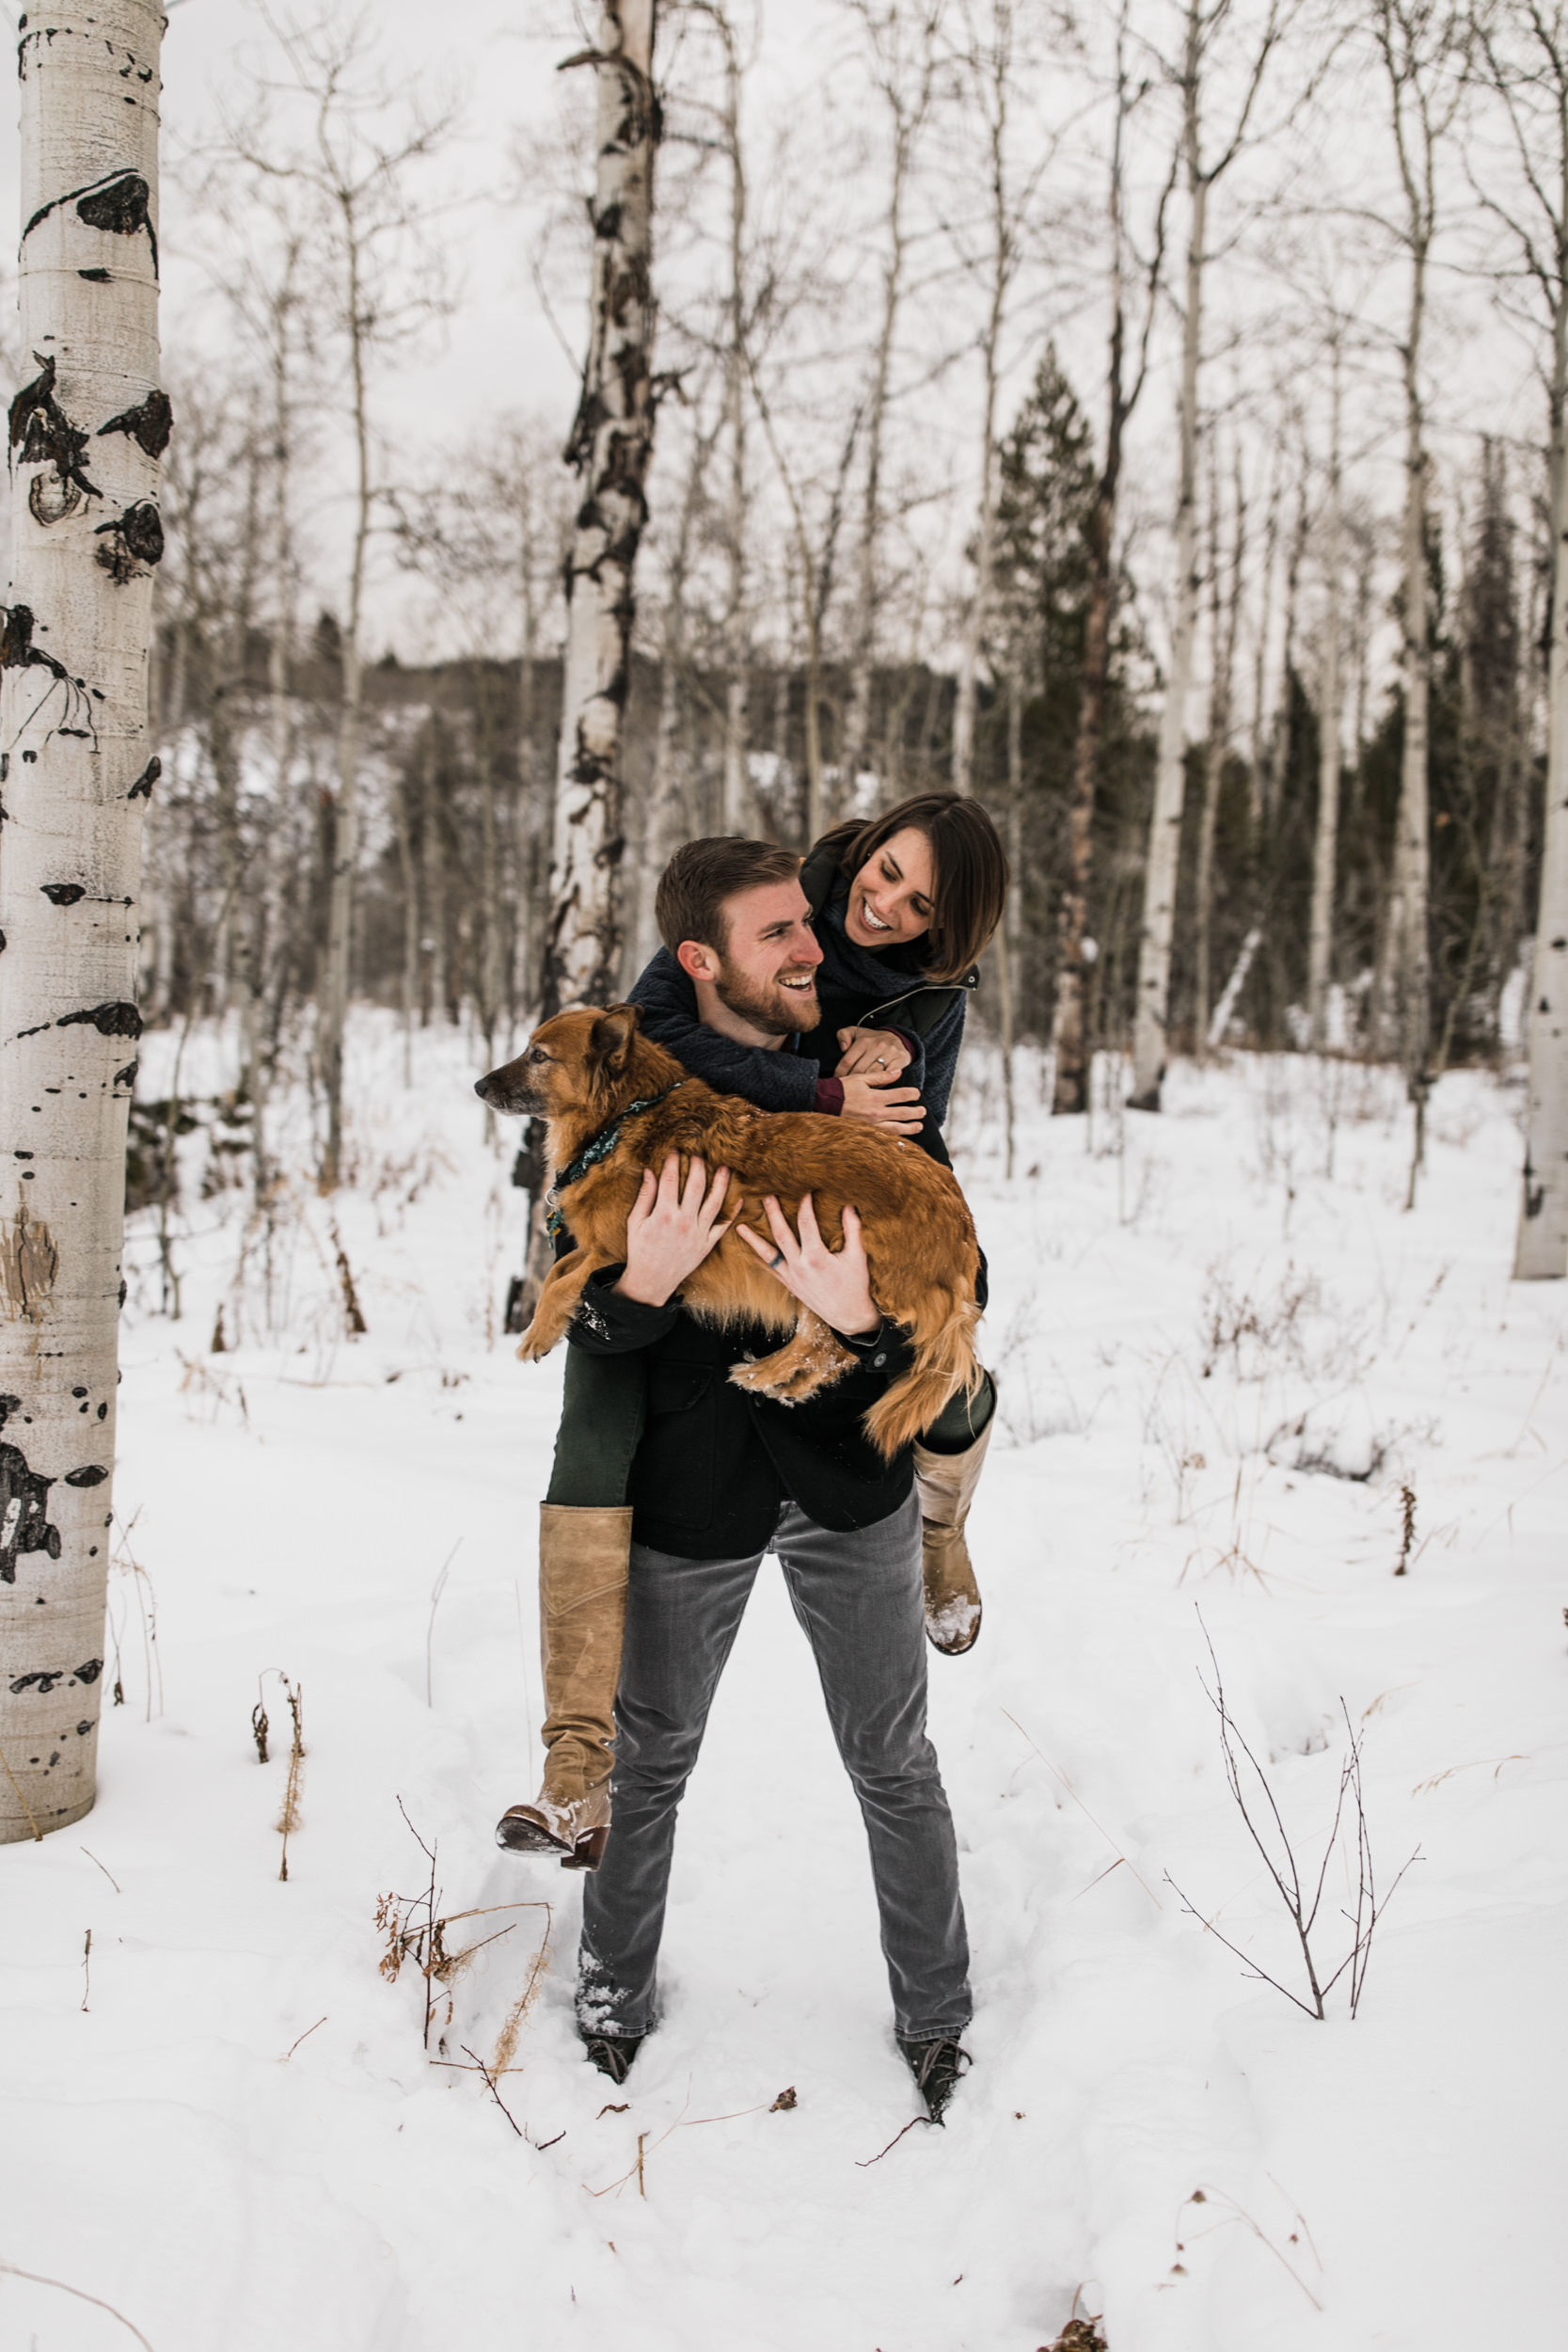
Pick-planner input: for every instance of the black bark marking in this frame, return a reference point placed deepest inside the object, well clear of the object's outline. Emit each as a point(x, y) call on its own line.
point(24, 1509)
point(119, 1020)
point(62, 894)
point(145, 782)
point(95, 277)
point(149, 423)
point(2, 943)
point(133, 541)
point(89, 1475)
point(43, 1682)
point(126, 1077)
point(91, 1671)
point(43, 434)
point(117, 204)
point(18, 652)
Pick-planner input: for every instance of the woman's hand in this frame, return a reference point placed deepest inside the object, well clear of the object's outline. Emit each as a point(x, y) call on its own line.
point(669, 1234)
point(875, 1098)
point(874, 1053)
point(835, 1283)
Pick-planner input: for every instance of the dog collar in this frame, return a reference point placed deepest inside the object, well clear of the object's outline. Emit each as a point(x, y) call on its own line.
point(597, 1148)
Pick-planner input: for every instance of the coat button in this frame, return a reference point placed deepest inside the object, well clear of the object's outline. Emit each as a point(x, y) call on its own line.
point(879, 1361)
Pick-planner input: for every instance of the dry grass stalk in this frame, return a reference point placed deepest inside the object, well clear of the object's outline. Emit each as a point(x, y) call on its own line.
point(1407, 1528)
point(38, 1833)
point(414, 1928)
point(516, 2016)
point(288, 1820)
point(86, 1970)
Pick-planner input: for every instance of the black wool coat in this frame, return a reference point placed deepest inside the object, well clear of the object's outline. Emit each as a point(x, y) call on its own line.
point(715, 1463)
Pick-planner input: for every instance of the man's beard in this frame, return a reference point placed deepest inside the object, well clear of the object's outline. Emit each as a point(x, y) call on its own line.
point(770, 1008)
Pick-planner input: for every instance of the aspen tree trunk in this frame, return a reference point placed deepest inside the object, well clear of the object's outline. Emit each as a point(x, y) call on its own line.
point(1003, 260)
point(668, 814)
point(908, 110)
point(279, 711)
point(1325, 845)
point(87, 434)
point(1069, 1047)
point(434, 860)
point(1541, 1249)
point(1224, 615)
point(345, 831)
point(611, 446)
point(1406, 1011)
point(1165, 830)
point(1260, 796)
point(737, 795)
point(535, 823)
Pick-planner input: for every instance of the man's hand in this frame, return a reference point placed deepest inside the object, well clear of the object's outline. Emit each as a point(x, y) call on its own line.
point(873, 1054)
point(872, 1097)
point(833, 1284)
point(667, 1236)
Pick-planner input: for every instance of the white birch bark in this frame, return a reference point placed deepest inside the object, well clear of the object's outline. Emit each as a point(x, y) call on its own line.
point(737, 794)
point(1541, 1249)
point(1425, 55)
point(1165, 829)
point(907, 87)
point(1326, 839)
point(611, 443)
point(76, 775)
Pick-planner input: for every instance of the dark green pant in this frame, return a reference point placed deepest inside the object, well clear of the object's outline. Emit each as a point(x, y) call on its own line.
point(606, 1403)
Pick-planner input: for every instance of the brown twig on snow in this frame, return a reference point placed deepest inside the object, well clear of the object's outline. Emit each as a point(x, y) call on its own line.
point(864, 2164)
point(490, 2086)
point(1285, 1872)
point(33, 2278)
point(298, 2039)
point(1407, 1528)
point(108, 1874)
point(1058, 1774)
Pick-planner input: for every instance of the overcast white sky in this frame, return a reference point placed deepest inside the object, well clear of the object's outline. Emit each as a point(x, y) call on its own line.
point(498, 352)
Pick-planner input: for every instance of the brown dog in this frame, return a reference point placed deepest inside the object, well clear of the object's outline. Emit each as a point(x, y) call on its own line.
point(581, 1071)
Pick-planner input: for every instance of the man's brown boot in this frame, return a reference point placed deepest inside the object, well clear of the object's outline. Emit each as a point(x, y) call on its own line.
point(946, 1483)
point(583, 1557)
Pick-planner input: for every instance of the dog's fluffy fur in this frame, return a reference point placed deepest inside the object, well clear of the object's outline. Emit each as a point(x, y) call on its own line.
point(580, 1068)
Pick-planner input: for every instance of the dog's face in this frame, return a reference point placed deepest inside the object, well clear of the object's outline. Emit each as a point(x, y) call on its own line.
point(569, 1062)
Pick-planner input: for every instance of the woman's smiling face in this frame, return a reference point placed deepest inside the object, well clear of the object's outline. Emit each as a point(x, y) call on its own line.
point(893, 896)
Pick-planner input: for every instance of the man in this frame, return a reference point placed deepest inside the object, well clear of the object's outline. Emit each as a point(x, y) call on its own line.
point(720, 1478)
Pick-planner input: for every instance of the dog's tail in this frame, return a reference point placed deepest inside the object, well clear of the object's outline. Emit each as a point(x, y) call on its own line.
point(942, 1365)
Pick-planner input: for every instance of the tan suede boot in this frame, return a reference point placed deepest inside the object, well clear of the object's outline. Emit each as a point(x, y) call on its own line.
point(583, 1557)
point(946, 1483)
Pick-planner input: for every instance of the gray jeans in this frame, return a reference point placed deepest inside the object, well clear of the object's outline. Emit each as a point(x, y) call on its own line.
point(858, 1598)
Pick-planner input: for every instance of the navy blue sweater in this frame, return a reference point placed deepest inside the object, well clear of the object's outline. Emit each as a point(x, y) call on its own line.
point(856, 987)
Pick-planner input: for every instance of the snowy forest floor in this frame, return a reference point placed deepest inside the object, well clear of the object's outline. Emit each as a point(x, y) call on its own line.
point(1224, 1349)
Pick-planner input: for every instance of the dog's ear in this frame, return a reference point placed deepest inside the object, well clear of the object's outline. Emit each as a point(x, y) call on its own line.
point(609, 1040)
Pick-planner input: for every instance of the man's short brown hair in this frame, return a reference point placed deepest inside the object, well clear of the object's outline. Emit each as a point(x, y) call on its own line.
point(694, 887)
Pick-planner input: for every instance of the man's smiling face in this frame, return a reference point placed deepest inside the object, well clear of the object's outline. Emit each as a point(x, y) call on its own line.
point(765, 971)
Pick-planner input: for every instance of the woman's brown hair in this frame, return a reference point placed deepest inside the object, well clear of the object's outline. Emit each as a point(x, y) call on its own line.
point(971, 886)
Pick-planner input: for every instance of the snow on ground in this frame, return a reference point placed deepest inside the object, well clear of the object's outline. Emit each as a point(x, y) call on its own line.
point(1205, 1327)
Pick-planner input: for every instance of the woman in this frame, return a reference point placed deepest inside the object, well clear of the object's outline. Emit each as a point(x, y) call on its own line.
point(904, 906)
